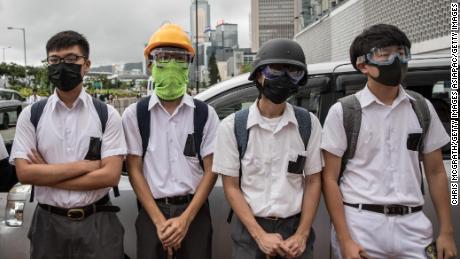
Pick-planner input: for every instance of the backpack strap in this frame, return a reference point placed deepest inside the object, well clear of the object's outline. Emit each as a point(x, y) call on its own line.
point(422, 112)
point(36, 111)
point(242, 135)
point(303, 118)
point(103, 113)
point(352, 116)
point(200, 116)
point(241, 131)
point(143, 122)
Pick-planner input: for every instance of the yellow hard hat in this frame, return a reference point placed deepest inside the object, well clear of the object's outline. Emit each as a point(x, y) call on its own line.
point(169, 35)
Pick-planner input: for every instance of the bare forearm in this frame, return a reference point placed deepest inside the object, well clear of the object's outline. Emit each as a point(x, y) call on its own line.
point(142, 190)
point(201, 194)
point(438, 186)
point(241, 208)
point(47, 174)
point(334, 204)
point(98, 179)
point(437, 182)
point(310, 203)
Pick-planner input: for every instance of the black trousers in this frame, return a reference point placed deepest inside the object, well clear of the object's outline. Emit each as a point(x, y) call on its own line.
point(56, 237)
point(196, 244)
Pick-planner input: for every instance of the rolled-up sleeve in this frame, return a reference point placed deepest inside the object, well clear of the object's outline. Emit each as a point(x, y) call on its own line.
point(209, 133)
point(436, 136)
point(113, 140)
point(25, 137)
point(314, 162)
point(226, 158)
point(334, 139)
point(131, 129)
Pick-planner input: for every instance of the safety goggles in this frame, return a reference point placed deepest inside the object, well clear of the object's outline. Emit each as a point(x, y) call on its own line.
point(162, 56)
point(294, 73)
point(385, 56)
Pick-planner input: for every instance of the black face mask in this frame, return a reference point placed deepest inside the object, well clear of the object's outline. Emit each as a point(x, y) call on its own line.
point(278, 90)
point(392, 74)
point(65, 76)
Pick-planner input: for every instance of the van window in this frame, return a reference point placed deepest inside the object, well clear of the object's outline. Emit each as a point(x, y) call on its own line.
point(234, 100)
point(18, 97)
point(309, 96)
point(5, 95)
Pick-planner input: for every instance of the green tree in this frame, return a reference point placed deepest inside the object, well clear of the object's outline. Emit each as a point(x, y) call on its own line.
point(246, 68)
point(214, 76)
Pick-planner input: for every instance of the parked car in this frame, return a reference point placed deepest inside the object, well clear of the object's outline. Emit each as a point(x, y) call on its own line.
point(11, 105)
point(429, 75)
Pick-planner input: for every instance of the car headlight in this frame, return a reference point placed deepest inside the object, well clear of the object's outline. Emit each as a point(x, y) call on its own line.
point(16, 199)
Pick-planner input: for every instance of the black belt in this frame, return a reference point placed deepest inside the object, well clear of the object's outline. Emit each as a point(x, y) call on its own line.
point(176, 200)
point(81, 213)
point(278, 218)
point(386, 209)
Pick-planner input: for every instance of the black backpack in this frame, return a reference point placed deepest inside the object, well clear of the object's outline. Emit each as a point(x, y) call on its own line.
point(352, 114)
point(36, 112)
point(242, 134)
point(200, 116)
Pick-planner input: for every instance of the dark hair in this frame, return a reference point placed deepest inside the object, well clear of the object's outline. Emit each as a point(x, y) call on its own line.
point(378, 36)
point(67, 39)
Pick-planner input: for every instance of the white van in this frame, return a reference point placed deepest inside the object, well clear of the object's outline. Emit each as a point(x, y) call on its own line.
point(429, 75)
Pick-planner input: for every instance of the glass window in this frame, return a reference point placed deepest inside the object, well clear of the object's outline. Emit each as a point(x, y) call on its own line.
point(234, 100)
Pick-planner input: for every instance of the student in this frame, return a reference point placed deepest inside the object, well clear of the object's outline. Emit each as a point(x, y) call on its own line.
point(72, 155)
point(270, 160)
point(373, 140)
point(170, 138)
point(34, 97)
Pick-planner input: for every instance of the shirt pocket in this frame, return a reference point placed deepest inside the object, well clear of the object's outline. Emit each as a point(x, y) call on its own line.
point(86, 146)
point(296, 162)
point(414, 139)
point(294, 168)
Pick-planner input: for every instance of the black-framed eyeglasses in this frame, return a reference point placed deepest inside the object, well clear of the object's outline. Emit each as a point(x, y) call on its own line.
point(69, 59)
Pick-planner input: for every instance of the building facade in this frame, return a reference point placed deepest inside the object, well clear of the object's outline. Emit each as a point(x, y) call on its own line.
point(426, 23)
point(204, 20)
point(271, 19)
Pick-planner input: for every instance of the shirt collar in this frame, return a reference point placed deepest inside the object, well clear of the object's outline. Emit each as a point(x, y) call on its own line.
point(366, 97)
point(186, 99)
point(54, 99)
point(255, 118)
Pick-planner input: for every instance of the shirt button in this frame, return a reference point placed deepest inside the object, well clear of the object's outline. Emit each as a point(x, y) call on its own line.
point(67, 131)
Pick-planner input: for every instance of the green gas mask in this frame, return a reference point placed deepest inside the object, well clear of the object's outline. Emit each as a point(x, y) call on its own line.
point(171, 79)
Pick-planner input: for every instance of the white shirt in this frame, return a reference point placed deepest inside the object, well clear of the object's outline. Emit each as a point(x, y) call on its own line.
point(267, 186)
point(167, 170)
point(33, 99)
point(63, 136)
point(383, 170)
point(3, 152)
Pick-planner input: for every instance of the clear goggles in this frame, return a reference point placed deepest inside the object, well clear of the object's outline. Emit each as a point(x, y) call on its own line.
point(294, 73)
point(162, 56)
point(385, 56)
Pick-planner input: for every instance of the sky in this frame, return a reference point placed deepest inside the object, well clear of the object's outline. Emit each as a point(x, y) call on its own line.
point(116, 29)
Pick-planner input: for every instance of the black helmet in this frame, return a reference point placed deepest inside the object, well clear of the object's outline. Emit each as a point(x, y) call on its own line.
point(280, 51)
